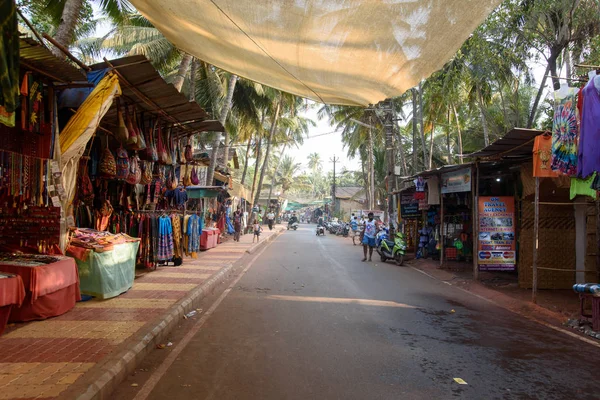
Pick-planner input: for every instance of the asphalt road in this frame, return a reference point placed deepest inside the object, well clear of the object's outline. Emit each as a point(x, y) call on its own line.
point(309, 320)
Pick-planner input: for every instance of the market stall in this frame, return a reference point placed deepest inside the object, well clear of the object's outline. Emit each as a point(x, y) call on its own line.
point(12, 294)
point(51, 284)
point(106, 262)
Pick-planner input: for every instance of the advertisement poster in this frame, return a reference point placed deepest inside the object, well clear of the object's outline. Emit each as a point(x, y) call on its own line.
point(409, 207)
point(497, 245)
point(457, 181)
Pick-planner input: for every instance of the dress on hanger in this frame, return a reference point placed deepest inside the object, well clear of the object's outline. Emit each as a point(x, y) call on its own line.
point(565, 132)
point(589, 149)
point(165, 239)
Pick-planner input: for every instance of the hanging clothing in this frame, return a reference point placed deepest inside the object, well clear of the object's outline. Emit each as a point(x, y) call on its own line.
point(9, 63)
point(565, 133)
point(419, 184)
point(176, 224)
point(194, 231)
point(583, 187)
point(589, 147)
point(542, 154)
point(165, 239)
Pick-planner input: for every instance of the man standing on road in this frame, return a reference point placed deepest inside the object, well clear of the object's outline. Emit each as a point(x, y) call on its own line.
point(237, 224)
point(369, 237)
point(271, 219)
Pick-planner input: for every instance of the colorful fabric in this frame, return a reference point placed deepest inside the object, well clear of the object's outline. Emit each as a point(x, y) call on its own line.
point(9, 63)
point(193, 232)
point(176, 223)
point(542, 154)
point(583, 187)
point(165, 239)
point(565, 133)
point(589, 147)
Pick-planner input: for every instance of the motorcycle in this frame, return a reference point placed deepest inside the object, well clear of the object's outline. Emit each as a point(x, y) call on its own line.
point(320, 230)
point(345, 230)
point(395, 249)
point(293, 225)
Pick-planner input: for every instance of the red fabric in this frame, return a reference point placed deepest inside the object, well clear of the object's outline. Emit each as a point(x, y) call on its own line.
point(4, 313)
point(45, 279)
point(419, 195)
point(12, 291)
point(221, 223)
point(50, 305)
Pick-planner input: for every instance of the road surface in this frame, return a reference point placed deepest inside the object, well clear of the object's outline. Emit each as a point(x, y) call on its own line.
point(309, 320)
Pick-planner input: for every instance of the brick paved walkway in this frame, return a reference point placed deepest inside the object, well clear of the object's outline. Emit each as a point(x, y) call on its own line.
point(41, 359)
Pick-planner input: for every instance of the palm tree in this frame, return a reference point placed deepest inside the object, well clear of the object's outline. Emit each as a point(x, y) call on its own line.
point(288, 171)
point(315, 163)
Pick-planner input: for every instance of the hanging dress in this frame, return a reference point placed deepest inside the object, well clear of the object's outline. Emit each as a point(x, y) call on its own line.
point(176, 223)
point(165, 239)
point(589, 149)
point(193, 232)
point(565, 133)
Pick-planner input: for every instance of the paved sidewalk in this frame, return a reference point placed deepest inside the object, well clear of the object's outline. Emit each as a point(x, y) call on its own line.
point(42, 359)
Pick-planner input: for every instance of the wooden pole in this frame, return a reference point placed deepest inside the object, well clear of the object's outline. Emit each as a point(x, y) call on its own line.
point(536, 224)
point(475, 218)
point(66, 52)
point(442, 230)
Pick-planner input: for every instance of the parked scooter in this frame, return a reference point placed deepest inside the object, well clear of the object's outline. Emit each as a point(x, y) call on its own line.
point(320, 230)
point(388, 249)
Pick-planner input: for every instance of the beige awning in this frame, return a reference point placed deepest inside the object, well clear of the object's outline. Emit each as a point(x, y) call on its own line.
point(340, 52)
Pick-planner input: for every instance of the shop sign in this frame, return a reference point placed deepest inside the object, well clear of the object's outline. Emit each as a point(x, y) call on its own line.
point(457, 181)
point(497, 246)
point(376, 214)
point(409, 207)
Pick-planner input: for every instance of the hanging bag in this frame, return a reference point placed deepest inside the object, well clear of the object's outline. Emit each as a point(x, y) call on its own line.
point(172, 147)
point(146, 172)
point(189, 154)
point(139, 127)
point(151, 152)
point(135, 173)
point(122, 164)
point(133, 138)
point(166, 143)
point(160, 147)
point(122, 132)
point(194, 177)
point(108, 164)
point(187, 178)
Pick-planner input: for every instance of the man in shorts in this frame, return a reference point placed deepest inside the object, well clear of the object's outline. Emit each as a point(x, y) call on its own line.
point(369, 237)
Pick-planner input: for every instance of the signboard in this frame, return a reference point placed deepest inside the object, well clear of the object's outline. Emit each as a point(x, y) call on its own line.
point(497, 246)
point(409, 207)
point(457, 181)
point(377, 214)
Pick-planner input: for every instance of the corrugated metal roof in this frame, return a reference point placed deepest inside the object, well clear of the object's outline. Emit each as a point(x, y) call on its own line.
point(350, 192)
point(143, 77)
point(33, 54)
point(516, 144)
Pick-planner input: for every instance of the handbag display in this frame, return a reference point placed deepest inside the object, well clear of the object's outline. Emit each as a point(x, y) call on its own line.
point(108, 164)
point(141, 142)
point(160, 147)
point(194, 177)
point(122, 134)
point(122, 164)
point(135, 173)
point(146, 167)
point(132, 141)
point(187, 175)
point(189, 154)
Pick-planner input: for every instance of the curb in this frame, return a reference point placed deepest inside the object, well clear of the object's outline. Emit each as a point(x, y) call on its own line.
point(109, 373)
point(255, 247)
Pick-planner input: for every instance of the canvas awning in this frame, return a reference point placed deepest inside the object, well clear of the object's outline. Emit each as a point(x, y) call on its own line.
point(354, 52)
point(143, 86)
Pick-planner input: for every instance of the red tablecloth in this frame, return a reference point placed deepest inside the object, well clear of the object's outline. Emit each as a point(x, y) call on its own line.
point(50, 289)
point(41, 280)
point(12, 293)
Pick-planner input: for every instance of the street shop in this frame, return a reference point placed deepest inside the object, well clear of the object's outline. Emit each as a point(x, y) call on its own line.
point(36, 280)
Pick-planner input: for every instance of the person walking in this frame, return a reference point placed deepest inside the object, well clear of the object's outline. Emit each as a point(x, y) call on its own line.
point(237, 224)
point(369, 237)
point(257, 228)
point(271, 219)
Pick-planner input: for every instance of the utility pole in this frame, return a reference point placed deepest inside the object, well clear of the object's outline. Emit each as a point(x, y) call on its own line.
point(388, 127)
point(333, 160)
